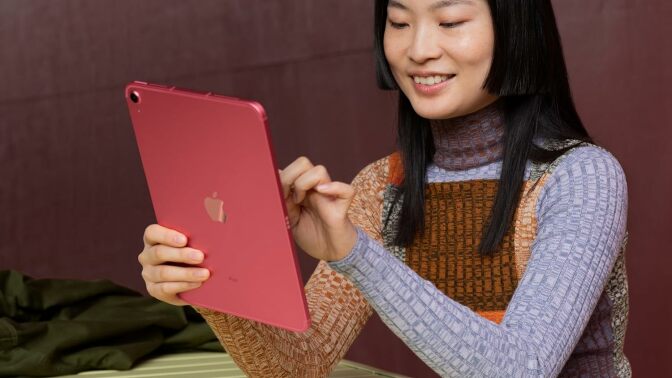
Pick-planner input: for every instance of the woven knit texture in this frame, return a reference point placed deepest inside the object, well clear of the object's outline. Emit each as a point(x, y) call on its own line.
point(338, 311)
point(552, 301)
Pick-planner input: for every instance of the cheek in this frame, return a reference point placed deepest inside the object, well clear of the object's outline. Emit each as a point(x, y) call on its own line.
point(393, 52)
point(474, 51)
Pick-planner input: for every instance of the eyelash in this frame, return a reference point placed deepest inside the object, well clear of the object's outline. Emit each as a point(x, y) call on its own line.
point(450, 25)
point(396, 25)
point(447, 25)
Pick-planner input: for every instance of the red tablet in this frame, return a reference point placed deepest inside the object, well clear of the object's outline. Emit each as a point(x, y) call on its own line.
point(212, 175)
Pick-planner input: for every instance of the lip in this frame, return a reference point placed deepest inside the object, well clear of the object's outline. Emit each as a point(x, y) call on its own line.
point(428, 73)
point(431, 89)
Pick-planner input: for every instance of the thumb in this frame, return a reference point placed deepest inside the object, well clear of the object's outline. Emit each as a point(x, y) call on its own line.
point(336, 189)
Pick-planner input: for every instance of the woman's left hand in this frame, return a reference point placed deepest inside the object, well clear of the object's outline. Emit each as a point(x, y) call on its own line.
point(318, 210)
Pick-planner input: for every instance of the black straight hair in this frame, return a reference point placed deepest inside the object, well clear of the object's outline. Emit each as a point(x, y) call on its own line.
point(529, 75)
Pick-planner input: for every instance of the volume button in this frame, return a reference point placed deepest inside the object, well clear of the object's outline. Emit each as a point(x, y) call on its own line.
point(225, 97)
point(191, 91)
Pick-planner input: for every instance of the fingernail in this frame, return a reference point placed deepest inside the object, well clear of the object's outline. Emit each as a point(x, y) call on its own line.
point(196, 256)
point(201, 273)
point(180, 239)
point(322, 186)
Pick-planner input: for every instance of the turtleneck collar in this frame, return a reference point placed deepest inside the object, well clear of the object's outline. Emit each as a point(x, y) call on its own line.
point(471, 140)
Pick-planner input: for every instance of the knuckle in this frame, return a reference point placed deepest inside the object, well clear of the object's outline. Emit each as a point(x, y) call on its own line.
point(159, 253)
point(163, 290)
point(161, 273)
point(156, 290)
point(284, 179)
point(321, 168)
point(304, 161)
point(146, 276)
point(149, 230)
point(151, 234)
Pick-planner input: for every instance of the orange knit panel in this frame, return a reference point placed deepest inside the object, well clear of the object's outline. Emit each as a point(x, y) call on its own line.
point(396, 169)
point(525, 223)
point(493, 316)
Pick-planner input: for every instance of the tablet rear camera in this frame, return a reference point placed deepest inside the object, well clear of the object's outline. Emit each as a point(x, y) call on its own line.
point(135, 97)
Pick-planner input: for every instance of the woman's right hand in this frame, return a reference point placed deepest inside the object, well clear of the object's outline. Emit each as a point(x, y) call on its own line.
point(163, 248)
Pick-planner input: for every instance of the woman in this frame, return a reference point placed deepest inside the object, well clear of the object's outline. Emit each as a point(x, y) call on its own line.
point(492, 242)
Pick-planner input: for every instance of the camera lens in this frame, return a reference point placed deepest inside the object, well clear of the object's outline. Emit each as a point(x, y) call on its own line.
point(135, 97)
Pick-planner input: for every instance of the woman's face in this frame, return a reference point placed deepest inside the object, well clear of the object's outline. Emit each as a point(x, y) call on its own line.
point(439, 52)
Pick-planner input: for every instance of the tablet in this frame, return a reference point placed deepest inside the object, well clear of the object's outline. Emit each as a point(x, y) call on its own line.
point(212, 175)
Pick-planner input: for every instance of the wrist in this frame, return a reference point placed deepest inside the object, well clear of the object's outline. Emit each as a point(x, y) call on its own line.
point(348, 243)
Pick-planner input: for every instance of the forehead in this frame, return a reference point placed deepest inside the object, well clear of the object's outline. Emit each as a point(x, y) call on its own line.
point(429, 5)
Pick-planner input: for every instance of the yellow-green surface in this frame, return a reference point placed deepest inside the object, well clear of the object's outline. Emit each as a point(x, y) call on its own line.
point(211, 365)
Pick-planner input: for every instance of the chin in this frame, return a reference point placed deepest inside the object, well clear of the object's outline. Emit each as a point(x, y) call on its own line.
point(436, 109)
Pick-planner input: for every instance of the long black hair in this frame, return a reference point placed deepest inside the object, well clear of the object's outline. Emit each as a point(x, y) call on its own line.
point(529, 75)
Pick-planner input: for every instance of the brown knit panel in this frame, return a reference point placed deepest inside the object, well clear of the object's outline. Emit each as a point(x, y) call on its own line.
point(446, 253)
point(338, 310)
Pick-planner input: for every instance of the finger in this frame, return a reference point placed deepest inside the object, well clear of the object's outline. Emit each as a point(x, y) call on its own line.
point(157, 234)
point(292, 172)
point(170, 273)
point(168, 291)
point(337, 189)
point(160, 254)
point(314, 176)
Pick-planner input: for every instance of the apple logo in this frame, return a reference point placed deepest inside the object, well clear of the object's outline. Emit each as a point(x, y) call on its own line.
point(215, 208)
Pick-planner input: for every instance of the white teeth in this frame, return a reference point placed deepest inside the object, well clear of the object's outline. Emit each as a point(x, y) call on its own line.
point(429, 80)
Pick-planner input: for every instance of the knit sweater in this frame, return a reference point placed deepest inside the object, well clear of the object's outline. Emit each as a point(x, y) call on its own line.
point(552, 301)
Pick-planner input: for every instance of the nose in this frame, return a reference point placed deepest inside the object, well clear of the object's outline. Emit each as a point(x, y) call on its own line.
point(424, 46)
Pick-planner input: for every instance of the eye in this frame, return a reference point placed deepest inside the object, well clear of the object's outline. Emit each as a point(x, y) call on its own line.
point(450, 25)
point(398, 25)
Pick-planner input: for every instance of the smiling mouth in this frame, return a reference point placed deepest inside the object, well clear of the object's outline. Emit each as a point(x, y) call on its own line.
point(432, 80)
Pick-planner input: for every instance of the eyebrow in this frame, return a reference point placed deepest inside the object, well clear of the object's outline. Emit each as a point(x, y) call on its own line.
point(433, 7)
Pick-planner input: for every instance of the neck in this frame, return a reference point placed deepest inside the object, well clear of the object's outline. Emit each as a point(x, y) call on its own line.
point(471, 140)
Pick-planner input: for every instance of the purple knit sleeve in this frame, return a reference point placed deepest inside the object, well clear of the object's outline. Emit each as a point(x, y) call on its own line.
point(581, 216)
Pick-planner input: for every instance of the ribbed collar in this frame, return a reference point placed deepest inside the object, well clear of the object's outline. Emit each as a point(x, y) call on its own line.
point(471, 140)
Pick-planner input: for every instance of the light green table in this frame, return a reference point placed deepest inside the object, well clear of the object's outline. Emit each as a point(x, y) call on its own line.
point(213, 364)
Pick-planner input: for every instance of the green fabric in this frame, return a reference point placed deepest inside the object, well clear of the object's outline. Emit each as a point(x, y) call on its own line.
point(54, 327)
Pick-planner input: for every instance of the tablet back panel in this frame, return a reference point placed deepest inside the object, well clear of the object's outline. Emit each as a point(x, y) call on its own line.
point(212, 175)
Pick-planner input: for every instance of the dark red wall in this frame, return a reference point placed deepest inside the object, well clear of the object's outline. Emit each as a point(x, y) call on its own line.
point(73, 200)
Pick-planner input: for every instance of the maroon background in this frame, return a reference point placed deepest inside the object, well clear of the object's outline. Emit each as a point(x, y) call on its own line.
point(73, 200)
